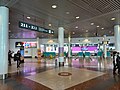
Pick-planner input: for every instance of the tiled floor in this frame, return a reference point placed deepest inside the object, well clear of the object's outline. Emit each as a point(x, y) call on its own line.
point(87, 74)
point(52, 80)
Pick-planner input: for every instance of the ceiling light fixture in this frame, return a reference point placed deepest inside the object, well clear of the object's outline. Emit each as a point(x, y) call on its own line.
point(28, 17)
point(77, 17)
point(102, 28)
point(86, 30)
point(73, 32)
point(49, 24)
point(50, 41)
point(54, 6)
point(76, 27)
point(92, 23)
point(98, 26)
point(109, 31)
point(67, 12)
point(113, 18)
point(86, 40)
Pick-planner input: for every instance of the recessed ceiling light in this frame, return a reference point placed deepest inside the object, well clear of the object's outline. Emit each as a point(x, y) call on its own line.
point(113, 18)
point(92, 23)
point(28, 17)
point(49, 24)
point(109, 31)
point(9, 22)
point(98, 26)
point(102, 28)
point(67, 12)
point(77, 17)
point(73, 32)
point(86, 30)
point(54, 6)
point(76, 27)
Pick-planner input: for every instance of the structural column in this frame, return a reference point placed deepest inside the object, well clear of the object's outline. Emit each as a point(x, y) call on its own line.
point(38, 43)
point(61, 45)
point(117, 37)
point(104, 46)
point(38, 49)
point(44, 48)
point(69, 48)
point(4, 17)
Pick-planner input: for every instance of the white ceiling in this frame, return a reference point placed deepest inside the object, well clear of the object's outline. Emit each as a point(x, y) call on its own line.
point(97, 11)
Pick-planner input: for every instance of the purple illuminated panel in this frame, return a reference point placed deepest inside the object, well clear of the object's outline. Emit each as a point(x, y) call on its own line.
point(76, 49)
point(84, 48)
point(92, 48)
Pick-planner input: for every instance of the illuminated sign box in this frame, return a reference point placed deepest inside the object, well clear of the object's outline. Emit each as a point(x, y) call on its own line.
point(26, 44)
point(35, 28)
point(30, 44)
point(105, 42)
point(18, 44)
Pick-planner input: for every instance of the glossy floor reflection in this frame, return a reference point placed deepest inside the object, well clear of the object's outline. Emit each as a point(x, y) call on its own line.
point(92, 62)
point(91, 73)
point(52, 80)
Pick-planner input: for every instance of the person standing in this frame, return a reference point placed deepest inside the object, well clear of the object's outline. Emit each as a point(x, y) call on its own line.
point(17, 58)
point(114, 63)
point(118, 62)
point(9, 57)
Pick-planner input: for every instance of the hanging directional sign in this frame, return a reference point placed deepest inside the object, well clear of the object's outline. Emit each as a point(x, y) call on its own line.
point(35, 28)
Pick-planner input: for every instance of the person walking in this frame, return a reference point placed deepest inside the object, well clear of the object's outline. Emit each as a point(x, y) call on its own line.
point(118, 62)
point(17, 57)
point(9, 57)
point(114, 63)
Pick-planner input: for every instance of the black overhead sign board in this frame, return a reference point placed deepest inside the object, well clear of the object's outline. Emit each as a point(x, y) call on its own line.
point(35, 28)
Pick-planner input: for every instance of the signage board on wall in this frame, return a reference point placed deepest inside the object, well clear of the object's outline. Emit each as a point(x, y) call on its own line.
point(26, 44)
point(18, 44)
point(35, 28)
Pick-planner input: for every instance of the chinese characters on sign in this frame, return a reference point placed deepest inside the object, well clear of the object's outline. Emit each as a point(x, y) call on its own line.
point(34, 28)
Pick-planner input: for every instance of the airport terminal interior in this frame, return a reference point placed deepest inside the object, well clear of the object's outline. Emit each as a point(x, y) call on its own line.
point(63, 44)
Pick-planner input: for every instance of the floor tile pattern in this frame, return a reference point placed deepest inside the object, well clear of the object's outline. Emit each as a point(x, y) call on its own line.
point(17, 77)
point(52, 80)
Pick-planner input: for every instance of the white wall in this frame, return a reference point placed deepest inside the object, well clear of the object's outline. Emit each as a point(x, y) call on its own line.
point(13, 48)
point(92, 40)
point(45, 41)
